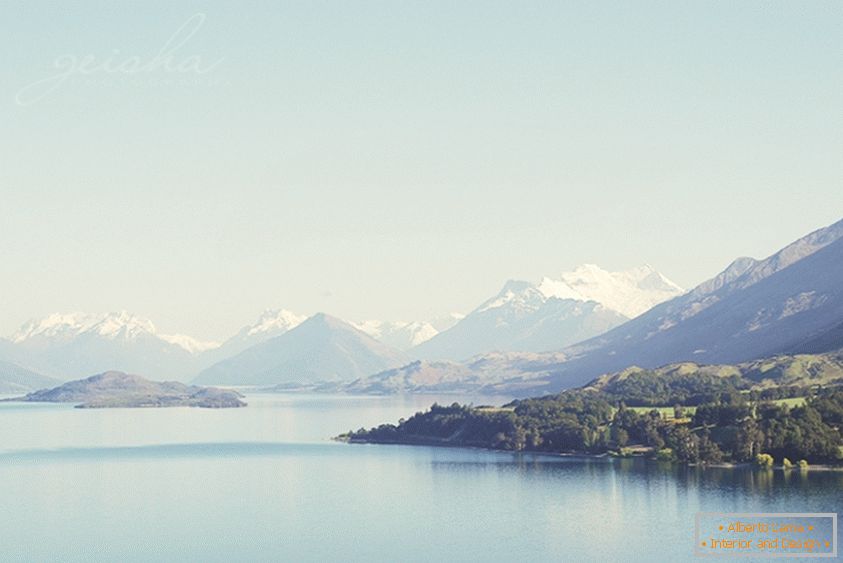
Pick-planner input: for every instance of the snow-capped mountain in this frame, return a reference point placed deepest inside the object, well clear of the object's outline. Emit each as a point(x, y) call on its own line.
point(71, 345)
point(551, 314)
point(60, 327)
point(66, 326)
point(403, 335)
point(323, 348)
point(790, 302)
point(398, 334)
point(271, 323)
point(630, 292)
point(192, 345)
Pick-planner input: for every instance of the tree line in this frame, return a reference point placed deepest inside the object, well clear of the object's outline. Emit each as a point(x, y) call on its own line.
point(730, 423)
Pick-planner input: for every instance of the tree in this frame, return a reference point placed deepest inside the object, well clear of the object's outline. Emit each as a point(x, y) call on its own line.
point(748, 441)
point(684, 443)
point(709, 450)
point(665, 454)
point(764, 460)
point(620, 436)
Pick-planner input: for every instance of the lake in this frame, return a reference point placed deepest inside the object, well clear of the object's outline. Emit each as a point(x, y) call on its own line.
point(266, 483)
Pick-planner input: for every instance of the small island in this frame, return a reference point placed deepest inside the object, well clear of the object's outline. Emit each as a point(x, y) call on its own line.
point(116, 389)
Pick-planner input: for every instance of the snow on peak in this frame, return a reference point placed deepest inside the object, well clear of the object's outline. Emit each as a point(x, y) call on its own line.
point(398, 334)
point(119, 325)
point(69, 325)
point(275, 320)
point(189, 343)
point(517, 294)
point(630, 292)
point(57, 325)
point(122, 325)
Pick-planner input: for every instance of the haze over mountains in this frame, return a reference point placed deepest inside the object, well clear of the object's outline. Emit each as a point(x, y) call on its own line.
point(529, 338)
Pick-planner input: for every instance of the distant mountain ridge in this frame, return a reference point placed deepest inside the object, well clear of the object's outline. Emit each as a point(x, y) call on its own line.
point(72, 345)
point(528, 317)
point(323, 348)
point(271, 323)
point(119, 325)
point(405, 335)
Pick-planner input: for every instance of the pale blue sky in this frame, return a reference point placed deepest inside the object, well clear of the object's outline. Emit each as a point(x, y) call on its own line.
point(402, 160)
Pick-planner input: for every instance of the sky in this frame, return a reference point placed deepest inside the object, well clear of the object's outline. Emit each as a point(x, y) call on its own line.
point(198, 162)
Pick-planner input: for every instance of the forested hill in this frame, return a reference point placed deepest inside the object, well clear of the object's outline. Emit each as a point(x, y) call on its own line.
point(683, 412)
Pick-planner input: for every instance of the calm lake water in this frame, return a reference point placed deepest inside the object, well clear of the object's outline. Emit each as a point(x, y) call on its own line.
point(266, 483)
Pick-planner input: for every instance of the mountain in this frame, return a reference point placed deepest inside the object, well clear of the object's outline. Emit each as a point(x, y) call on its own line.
point(551, 314)
point(790, 302)
point(323, 348)
point(15, 379)
point(630, 292)
point(72, 345)
point(118, 389)
point(404, 335)
point(271, 323)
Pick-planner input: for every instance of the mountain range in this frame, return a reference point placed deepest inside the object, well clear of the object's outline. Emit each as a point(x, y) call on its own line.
point(788, 303)
point(67, 346)
point(529, 338)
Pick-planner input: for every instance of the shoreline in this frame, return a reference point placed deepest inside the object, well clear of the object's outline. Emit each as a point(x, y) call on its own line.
point(590, 456)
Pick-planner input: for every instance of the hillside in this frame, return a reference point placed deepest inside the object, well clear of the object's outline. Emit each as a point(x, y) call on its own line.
point(689, 383)
point(513, 372)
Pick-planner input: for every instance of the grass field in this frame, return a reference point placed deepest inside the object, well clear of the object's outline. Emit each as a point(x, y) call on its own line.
point(794, 402)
